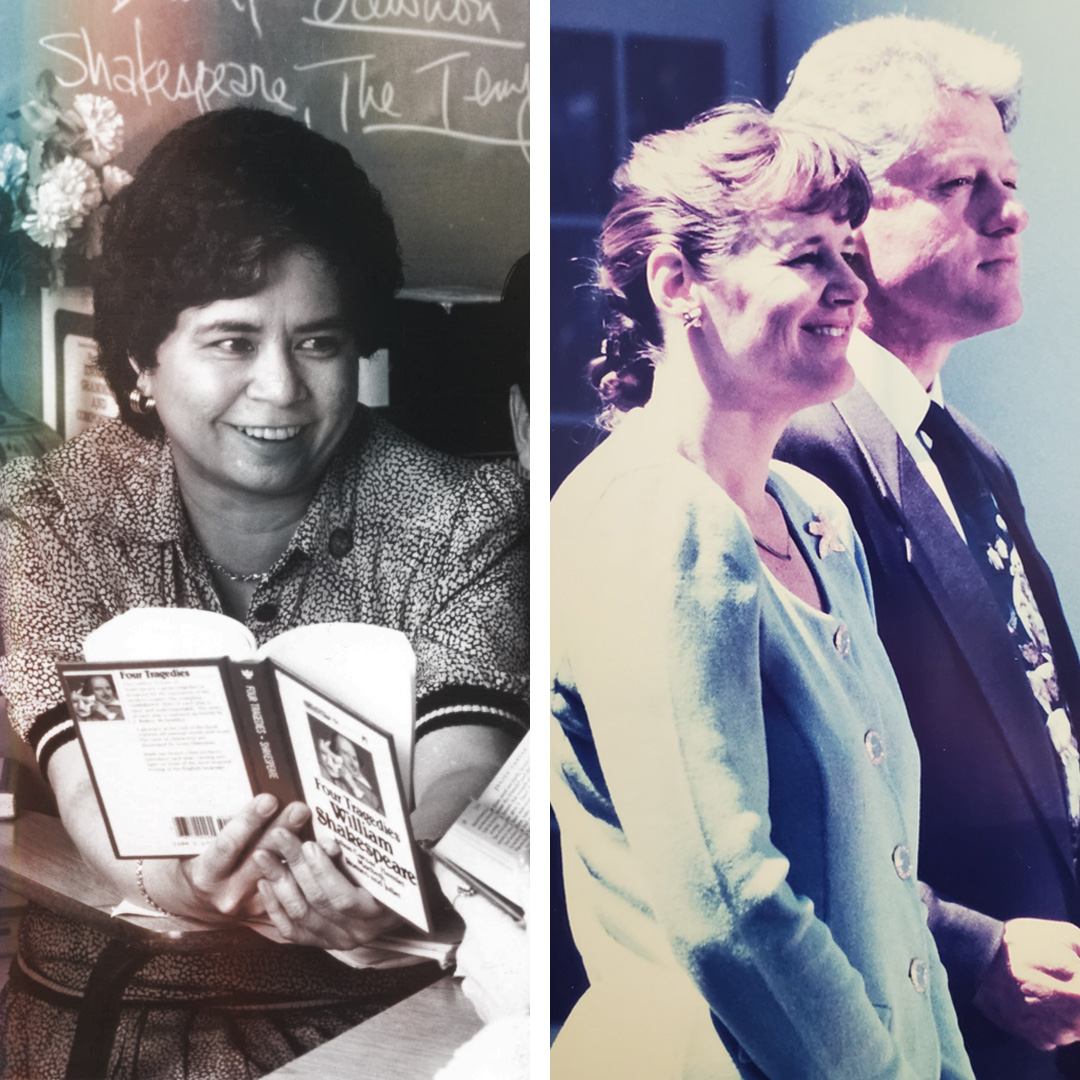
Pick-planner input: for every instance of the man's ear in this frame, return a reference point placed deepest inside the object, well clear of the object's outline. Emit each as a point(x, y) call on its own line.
point(860, 258)
point(672, 282)
point(519, 422)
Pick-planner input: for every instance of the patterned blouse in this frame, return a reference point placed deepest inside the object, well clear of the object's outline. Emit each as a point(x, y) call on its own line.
point(397, 535)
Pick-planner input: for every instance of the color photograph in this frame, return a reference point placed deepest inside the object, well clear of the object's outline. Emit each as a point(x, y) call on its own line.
point(815, 780)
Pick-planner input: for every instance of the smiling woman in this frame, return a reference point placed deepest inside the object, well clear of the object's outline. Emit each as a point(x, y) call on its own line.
point(246, 269)
point(257, 391)
point(738, 843)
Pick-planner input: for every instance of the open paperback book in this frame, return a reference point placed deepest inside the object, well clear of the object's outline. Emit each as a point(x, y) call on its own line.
point(488, 845)
point(182, 720)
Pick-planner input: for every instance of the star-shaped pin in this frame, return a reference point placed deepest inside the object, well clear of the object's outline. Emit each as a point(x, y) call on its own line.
point(826, 532)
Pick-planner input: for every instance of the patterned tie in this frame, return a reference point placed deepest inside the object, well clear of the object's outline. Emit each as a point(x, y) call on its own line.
point(986, 532)
point(989, 542)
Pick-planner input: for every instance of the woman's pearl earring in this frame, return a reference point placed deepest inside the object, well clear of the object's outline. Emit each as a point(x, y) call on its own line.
point(691, 318)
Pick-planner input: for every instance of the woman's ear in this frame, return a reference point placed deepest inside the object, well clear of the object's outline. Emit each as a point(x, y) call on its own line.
point(519, 422)
point(672, 282)
point(142, 377)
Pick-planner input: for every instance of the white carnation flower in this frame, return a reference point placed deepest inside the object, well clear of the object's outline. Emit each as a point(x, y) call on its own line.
point(104, 128)
point(66, 194)
point(113, 179)
point(13, 162)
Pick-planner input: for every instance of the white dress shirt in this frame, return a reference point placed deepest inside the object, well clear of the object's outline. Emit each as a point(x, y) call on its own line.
point(898, 394)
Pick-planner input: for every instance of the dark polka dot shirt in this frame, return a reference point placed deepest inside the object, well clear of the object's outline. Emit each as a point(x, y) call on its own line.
point(397, 535)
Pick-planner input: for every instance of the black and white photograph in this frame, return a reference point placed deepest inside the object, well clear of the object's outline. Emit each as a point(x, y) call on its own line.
point(264, 324)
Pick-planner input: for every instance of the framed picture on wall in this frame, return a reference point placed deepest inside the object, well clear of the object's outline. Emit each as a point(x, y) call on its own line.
point(75, 395)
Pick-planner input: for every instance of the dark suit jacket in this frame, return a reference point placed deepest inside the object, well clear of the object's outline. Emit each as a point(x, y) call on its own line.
point(994, 834)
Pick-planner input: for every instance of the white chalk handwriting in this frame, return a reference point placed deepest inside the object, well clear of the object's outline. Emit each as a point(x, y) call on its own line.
point(336, 14)
point(370, 100)
point(242, 6)
point(132, 73)
point(485, 91)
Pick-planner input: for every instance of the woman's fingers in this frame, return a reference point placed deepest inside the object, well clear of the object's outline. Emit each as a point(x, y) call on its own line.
point(276, 911)
point(313, 902)
point(223, 878)
point(334, 889)
point(289, 848)
point(284, 885)
point(218, 860)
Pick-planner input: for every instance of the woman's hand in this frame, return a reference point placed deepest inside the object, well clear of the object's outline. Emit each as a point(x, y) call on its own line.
point(223, 879)
point(220, 883)
point(309, 901)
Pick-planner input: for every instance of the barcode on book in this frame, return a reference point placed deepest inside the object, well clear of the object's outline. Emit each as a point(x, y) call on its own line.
point(199, 826)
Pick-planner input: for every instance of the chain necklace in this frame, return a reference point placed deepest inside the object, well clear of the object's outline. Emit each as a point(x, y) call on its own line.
point(784, 555)
point(241, 579)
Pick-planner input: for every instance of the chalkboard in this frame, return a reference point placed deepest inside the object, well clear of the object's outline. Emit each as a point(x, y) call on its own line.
point(430, 96)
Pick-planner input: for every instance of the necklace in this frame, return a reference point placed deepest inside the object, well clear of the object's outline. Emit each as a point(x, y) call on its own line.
point(785, 555)
point(240, 579)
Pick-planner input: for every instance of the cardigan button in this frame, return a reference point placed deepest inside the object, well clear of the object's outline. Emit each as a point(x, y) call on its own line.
point(341, 542)
point(842, 641)
point(875, 746)
point(919, 974)
point(901, 860)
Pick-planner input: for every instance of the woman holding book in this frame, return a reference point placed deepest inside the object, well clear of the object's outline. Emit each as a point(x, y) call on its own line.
point(734, 775)
point(245, 269)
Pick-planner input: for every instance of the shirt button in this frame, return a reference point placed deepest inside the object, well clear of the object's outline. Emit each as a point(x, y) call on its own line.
point(875, 747)
point(341, 542)
point(919, 974)
point(267, 612)
point(901, 860)
point(842, 641)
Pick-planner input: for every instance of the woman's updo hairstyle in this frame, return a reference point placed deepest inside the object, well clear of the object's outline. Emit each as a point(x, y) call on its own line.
point(699, 189)
point(214, 203)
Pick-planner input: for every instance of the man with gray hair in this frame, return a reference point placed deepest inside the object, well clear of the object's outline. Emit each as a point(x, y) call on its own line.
point(966, 606)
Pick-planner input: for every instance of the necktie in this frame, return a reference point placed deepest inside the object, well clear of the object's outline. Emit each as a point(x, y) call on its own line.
point(989, 542)
point(985, 529)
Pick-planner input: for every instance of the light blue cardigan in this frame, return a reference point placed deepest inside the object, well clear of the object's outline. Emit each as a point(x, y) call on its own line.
point(735, 777)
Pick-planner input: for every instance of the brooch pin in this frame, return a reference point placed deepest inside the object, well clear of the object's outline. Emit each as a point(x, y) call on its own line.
point(827, 534)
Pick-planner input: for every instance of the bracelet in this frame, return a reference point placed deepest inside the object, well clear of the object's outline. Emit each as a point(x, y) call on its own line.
point(146, 896)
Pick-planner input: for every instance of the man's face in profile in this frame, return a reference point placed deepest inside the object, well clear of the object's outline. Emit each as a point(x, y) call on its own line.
point(944, 234)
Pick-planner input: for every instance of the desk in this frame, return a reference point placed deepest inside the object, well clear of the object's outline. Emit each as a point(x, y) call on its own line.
point(409, 1041)
point(39, 861)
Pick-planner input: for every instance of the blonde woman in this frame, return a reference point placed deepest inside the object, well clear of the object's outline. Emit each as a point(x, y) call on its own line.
point(735, 777)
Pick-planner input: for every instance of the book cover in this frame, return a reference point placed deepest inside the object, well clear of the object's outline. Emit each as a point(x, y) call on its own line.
point(175, 746)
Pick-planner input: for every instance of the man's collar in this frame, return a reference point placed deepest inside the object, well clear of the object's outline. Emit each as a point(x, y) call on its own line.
point(895, 390)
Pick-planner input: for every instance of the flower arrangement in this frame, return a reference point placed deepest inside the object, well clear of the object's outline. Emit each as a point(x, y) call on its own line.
point(54, 192)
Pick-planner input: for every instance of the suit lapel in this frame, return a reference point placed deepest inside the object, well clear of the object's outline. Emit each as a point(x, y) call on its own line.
point(944, 563)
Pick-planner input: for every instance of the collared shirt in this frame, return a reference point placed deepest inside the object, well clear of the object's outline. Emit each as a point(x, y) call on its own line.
point(899, 395)
point(397, 535)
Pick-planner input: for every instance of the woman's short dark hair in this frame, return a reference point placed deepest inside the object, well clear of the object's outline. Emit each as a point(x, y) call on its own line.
point(213, 204)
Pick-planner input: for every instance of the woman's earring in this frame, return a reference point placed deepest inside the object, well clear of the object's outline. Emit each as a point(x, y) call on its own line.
point(140, 402)
point(691, 318)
